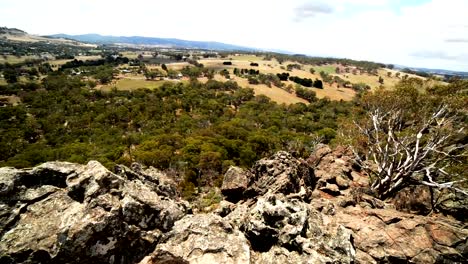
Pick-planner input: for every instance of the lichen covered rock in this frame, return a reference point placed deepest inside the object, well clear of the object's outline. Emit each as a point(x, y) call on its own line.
point(61, 212)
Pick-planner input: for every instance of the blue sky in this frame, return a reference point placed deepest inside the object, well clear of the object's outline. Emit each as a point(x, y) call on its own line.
point(420, 33)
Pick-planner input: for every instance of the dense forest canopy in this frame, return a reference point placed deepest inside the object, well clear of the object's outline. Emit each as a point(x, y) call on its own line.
point(198, 128)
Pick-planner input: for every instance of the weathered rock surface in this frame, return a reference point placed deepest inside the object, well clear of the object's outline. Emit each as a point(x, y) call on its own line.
point(203, 238)
point(61, 212)
point(284, 210)
point(334, 171)
point(281, 173)
point(277, 225)
point(389, 236)
point(235, 182)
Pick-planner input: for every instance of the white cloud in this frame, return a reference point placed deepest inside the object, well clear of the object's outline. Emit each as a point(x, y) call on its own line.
point(359, 29)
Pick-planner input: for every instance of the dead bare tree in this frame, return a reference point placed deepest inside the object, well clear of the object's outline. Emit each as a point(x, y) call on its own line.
point(403, 149)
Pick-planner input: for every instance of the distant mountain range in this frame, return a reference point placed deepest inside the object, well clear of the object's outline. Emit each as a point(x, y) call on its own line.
point(172, 43)
point(162, 42)
point(435, 71)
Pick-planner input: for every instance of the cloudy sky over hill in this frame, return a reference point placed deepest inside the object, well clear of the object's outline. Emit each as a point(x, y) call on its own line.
point(421, 33)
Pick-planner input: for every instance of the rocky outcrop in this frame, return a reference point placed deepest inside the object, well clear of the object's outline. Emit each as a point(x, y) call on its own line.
point(335, 171)
point(389, 236)
point(280, 224)
point(61, 212)
point(280, 173)
point(272, 224)
point(235, 182)
point(203, 238)
point(283, 210)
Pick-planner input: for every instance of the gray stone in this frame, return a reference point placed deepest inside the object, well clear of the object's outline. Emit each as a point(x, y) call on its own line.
point(235, 182)
point(68, 213)
point(204, 238)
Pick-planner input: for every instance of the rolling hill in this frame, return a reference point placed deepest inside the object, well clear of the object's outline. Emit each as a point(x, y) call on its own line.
point(150, 41)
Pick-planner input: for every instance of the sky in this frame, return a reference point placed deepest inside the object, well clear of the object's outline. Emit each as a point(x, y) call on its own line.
point(416, 33)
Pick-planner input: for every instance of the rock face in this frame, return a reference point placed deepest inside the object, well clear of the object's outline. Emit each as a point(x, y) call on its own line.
point(277, 225)
point(62, 213)
point(334, 171)
point(235, 182)
point(204, 238)
point(280, 173)
point(390, 236)
point(283, 210)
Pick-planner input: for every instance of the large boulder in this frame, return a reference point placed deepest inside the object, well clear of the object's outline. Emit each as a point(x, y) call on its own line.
point(279, 225)
point(335, 171)
point(203, 238)
point(280, 173)
point(61, 212)
point(389, 236)
point(235, 182)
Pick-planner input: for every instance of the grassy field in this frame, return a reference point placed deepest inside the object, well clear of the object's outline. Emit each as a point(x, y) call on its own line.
point(330, 69)
point(278, 95)
point(246, 57)
point(34, 38)
point(13, 59)
point(130, 54)
point(132, 84)
point(273, 67)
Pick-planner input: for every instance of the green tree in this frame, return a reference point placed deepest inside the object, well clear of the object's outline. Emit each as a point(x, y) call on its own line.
point(10, 75)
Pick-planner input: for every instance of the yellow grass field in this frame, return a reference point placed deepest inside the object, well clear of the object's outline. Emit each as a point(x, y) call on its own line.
point(13, 59)
point(276, 94)
point(273, 67)
point(132, 84)
point(34, 38)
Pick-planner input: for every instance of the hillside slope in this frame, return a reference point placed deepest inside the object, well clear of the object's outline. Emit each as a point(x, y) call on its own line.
point(150, 41)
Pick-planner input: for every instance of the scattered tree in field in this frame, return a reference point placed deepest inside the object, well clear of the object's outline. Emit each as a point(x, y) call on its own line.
point(290, 67)
point(381, 80)
point(306, 94)
point(151, 74)
point(225, 73)
point(164, 67)
point(307, 82)
point(312, 70)
point(227, 63)
point(254, 64)
point(389, 74)
point(10, 74)
point(208, 73)
point(191, 72)
point(318, 84)
point(283, 76)
point(104, 74)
